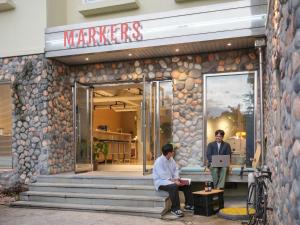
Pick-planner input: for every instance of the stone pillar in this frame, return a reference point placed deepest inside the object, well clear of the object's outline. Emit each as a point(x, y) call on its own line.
point(42, 116)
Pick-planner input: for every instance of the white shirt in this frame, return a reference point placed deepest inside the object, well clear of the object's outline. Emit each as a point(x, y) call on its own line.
point(219, 146)
point(163, 171)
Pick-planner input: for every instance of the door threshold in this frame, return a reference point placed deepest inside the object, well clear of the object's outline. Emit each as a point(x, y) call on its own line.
point(117, 173)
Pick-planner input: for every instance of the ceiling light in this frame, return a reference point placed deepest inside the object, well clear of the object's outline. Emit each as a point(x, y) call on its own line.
point(228, 44)
point(177, 50)
point(86, 59)
point(129, 54)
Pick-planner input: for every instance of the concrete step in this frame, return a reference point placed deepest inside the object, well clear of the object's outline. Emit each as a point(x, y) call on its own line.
point(94, 199)
point(6, 161)
point(96, 179)
point(137, 190)
point(156, 212)
point(118, 194)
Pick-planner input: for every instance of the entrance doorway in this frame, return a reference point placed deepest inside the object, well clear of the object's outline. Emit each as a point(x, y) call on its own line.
point(121, 126)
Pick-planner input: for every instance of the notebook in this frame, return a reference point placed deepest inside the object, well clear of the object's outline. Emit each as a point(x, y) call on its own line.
point(185, 181)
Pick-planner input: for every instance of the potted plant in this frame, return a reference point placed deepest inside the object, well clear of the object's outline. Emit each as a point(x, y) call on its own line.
point(104, 150)
point(99, 147)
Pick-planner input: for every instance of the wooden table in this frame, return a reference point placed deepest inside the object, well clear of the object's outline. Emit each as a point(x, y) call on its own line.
point(119, 145)
point(208, 203)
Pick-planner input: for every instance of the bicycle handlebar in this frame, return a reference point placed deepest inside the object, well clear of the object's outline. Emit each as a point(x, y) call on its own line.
point(265, 174)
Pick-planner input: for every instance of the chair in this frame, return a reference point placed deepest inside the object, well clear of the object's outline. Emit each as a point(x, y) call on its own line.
point(115, 148)
point(133, 149)
point(127, 152)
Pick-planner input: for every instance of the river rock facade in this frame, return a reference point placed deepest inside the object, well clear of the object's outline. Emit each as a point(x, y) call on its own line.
point(42, 140)
point(42, 125)
point(282, 116)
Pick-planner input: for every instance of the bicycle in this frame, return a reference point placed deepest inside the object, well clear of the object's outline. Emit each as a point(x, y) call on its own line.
point(258, 197)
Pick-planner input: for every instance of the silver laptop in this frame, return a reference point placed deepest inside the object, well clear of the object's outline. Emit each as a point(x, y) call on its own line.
point(220, 161)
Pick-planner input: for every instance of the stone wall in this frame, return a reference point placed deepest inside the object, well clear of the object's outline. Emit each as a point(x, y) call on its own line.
point(282, 122)
point(41, 144)
point(186, 72)
point(58, 141)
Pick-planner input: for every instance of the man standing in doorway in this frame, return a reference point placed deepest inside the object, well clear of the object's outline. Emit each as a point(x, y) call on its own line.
point(218, 147)
point(166, 178)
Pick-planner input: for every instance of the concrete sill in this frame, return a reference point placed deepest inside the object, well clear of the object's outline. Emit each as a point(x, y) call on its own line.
point(107, 6)
point(6, 5)
point(182, 1)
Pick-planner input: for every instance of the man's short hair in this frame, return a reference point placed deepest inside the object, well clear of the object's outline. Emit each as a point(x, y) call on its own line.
point(221, 132)
point(166, 149)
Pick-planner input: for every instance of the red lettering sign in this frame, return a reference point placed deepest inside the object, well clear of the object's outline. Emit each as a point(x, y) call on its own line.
point(124, 32)
point(137, 30)
point(103, 35)
point(112, 34)
point(92, 33)
point(80, 39)
point(69, 36)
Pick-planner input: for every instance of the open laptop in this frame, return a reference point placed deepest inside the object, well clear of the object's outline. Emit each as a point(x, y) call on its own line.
point(220, 161)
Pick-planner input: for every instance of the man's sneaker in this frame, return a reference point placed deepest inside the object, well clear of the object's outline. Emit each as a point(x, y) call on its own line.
point(177, 213)
point(189, 208)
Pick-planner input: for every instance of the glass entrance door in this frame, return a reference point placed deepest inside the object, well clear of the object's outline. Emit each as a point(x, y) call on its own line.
point(156, 120)
point(148, 133)
point(83, 127)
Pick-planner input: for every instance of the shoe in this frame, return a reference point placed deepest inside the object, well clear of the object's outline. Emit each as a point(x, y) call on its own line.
point(188, 208)
point(177, 213)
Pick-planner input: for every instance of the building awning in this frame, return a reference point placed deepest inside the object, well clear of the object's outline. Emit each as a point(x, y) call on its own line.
point(214, 27)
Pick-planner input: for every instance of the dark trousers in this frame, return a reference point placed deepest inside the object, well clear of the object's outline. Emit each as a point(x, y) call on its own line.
point(173, 191)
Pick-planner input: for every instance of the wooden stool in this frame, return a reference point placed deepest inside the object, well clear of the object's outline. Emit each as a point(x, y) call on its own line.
point(208, 203)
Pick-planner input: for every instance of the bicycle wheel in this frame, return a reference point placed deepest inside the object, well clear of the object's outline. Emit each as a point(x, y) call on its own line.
point(251, 200)
point(265, 204)
point(262, 202)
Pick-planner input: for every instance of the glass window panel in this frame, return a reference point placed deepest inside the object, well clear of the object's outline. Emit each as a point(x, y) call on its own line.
point(5, 126)
point(230, 107)
point(166, 102)
point(83, 145)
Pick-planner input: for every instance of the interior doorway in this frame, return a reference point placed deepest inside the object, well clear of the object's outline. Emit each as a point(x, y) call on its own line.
point(121, 127)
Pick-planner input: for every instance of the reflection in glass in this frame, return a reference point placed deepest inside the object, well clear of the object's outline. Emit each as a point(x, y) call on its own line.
point(5, 126)
point(149, 153)
point(230, 107)
point(165, 113)
point(159, 97)
point(83, 146)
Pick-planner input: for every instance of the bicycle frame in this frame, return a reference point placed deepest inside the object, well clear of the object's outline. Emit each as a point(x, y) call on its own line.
point(258, 198)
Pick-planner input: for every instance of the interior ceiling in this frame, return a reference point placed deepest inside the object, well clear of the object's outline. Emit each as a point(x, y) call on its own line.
point(119, 100)
point(160, 51)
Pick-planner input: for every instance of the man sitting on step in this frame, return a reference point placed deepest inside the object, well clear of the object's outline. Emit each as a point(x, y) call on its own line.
point(166, 178)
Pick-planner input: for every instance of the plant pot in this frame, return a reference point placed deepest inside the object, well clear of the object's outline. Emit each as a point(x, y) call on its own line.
point(95, 165)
